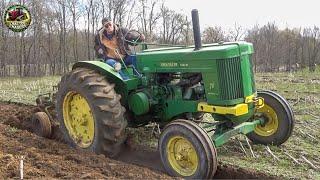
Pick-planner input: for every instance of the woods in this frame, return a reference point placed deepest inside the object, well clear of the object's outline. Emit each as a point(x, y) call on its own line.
point(62, 32)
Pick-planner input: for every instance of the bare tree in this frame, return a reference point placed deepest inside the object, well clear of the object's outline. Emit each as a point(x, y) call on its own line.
point(172, 25)
point(73, 9)
point(214, 34)
point(62, 33)
point(237, 33)
point(254, 37)
point(315, 46)
point(88, 8)
point(148, 17)
point(3, 42)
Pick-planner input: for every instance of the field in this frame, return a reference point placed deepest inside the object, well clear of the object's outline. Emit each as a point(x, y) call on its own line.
point(298, 158)
point(302, 90)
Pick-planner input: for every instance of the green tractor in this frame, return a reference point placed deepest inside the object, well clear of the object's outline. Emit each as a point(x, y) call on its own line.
point(175, 87)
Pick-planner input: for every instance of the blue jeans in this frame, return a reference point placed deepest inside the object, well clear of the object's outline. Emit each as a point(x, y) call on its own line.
point(128, 60)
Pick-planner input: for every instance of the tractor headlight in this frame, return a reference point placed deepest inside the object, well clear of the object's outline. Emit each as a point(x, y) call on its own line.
point(117, 66)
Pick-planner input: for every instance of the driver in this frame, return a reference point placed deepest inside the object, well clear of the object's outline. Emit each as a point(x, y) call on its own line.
point(111, 45)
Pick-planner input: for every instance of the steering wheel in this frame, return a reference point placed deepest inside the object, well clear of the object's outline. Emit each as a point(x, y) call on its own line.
point(135, 41)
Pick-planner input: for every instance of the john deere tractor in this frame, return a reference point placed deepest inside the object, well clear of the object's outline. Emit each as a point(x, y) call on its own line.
point(173, 86)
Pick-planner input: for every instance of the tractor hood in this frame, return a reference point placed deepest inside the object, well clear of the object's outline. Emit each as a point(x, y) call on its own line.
point(208, 51)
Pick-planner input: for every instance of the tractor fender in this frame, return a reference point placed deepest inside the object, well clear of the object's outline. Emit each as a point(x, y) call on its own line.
point(122, 86)
point(102, 68)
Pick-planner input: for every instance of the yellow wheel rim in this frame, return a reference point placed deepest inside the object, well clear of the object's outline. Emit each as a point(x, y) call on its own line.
point(182, 156)
point(272, 124)
point(78, 119)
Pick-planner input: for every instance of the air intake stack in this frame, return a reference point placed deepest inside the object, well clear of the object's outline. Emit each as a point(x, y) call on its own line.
point(196, 29)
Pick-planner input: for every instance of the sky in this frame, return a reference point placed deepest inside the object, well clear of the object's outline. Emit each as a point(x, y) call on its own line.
point(247, 13)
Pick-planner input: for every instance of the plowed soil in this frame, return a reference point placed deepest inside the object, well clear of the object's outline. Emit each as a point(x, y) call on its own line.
point(50, 158)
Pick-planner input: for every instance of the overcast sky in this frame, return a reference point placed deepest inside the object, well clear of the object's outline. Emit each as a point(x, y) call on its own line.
point(247, 13)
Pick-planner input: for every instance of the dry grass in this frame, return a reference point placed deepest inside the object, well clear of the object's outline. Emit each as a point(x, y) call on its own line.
point(25, 90)
point(301, 89)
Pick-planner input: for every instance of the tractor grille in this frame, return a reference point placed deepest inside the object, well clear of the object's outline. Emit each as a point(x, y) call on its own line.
point(252, 75)
point(230, 78)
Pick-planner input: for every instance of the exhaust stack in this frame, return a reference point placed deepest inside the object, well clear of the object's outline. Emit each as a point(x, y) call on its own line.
point(196, 30)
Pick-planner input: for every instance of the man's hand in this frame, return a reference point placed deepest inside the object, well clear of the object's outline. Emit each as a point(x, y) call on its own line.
point(100, 51)
point(142, 38)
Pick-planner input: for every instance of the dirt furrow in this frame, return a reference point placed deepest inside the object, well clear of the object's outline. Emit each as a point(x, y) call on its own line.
point(51, 159)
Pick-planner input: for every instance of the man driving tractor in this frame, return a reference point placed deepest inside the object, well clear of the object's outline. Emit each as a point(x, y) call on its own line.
point(112, 45)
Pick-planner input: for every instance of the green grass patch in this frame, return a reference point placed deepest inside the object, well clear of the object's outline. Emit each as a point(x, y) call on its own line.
point(25, 90)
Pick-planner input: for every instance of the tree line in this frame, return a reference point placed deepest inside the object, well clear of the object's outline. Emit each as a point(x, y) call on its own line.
point(62, 33)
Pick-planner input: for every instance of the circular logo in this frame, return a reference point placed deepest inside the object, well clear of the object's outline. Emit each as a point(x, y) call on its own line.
point(17, 18)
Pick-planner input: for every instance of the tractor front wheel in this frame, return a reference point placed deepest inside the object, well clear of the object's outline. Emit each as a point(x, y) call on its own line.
point(278, 117)
point(90, 113)
point(187, 151)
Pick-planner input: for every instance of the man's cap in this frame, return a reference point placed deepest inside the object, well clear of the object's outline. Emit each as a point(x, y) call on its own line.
point(105, 20)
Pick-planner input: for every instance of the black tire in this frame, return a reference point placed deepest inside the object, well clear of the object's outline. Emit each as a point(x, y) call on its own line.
point(41, 124)
point(285, 120)
point(104, 103)
point(203, 145)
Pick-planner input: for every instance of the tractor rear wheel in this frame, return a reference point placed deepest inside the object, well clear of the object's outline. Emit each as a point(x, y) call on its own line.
point(90, 113)
point(279, 120)
point(187, 151)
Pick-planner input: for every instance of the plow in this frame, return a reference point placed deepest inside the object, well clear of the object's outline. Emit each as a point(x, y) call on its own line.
point(44, 122)
point(92, 105)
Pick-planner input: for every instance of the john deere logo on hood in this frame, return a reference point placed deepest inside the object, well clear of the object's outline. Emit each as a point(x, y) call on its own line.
point(17, 18)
